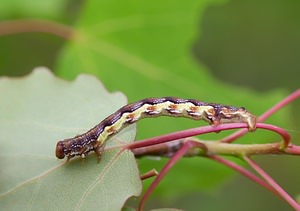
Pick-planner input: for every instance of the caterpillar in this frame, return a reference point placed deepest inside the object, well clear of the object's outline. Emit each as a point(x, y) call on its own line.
point(95, 138)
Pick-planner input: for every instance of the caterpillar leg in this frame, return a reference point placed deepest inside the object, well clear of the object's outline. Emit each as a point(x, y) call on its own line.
point(99, 148)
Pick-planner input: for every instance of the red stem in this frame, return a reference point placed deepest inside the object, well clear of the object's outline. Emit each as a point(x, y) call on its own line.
point(293, 149)
point(244, 172)
point(284, 102)
point(204, 130)
point(185, 147)
point(264, 116)
point(285, 135)
point(281, 193)
point(269, 184)
point(189, 144)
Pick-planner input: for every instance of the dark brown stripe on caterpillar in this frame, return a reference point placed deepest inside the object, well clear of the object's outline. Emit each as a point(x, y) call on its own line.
point(95, 138)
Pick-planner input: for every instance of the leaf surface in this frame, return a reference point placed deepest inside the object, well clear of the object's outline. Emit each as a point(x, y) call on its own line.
point(36, 112)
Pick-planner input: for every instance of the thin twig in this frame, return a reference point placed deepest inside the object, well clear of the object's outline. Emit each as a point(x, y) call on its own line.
point(149, 174)
point(204, 130)
point(243, 171)
point(293, 96)
point(36, 25)
point(167, 149)
point(186, 146)
point(281, 192)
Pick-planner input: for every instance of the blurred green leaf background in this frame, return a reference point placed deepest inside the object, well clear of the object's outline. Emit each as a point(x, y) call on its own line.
point(243, 53)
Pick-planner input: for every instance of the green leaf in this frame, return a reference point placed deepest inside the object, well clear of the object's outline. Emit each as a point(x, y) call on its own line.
point(144, 50)
point(37, 111)
point(31, 8)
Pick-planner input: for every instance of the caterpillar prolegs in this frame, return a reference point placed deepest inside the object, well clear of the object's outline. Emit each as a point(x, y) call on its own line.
point(95, 138)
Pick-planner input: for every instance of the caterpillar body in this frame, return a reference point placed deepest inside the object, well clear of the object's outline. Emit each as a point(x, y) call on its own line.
point(95, 138)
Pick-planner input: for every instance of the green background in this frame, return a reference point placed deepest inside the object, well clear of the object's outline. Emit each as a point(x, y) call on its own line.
point(247, 53)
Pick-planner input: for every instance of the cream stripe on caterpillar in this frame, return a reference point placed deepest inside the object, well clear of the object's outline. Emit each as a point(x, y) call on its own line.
point(95, 138)
point(161, 109)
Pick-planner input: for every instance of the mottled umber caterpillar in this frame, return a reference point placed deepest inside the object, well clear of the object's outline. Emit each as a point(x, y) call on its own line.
point(95, 138)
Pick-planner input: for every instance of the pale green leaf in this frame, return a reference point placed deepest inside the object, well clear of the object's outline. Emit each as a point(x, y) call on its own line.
point(36, 112)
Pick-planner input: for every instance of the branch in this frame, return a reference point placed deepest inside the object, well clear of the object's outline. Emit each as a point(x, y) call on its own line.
point(32, 25)
point(218, 147)
point(186, 146)
point(281, 193)
point(295, 95)
point(244, 172)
